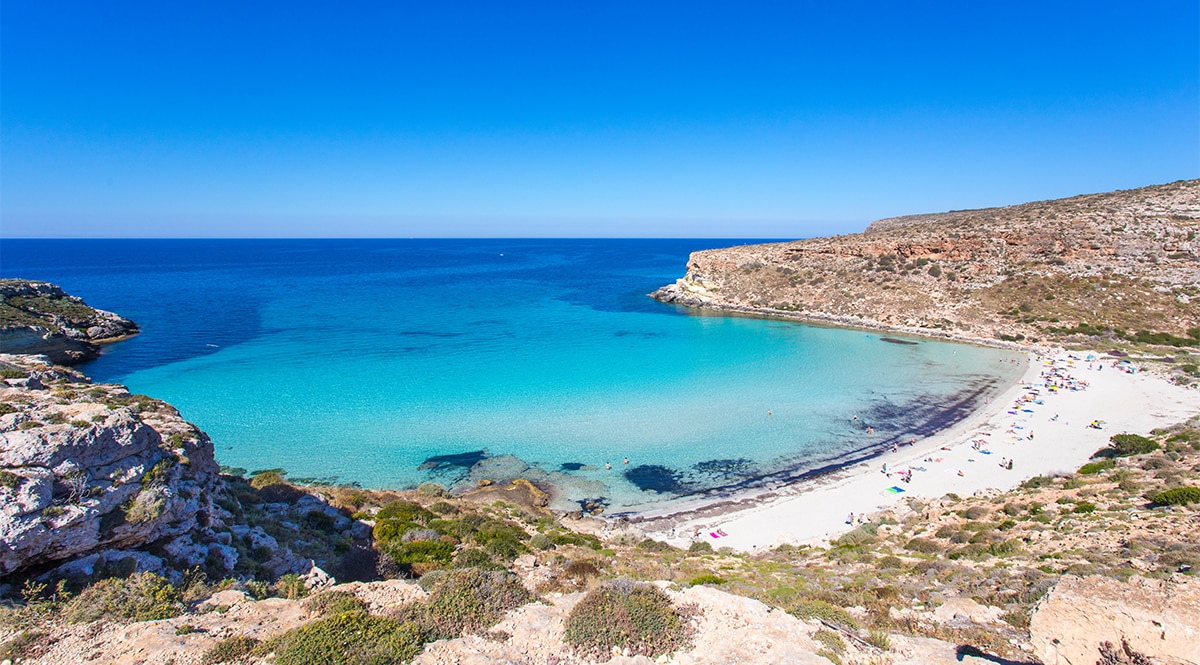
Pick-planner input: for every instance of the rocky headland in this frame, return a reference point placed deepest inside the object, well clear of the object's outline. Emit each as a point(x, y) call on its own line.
point(1113, 268)
point(40, 318)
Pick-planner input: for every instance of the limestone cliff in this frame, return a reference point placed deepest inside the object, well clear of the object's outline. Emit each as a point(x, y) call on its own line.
point(92, 478)
point(40, 318)
point(1111, 265)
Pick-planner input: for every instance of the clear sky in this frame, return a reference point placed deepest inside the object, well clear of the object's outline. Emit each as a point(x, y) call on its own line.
point(692, 119)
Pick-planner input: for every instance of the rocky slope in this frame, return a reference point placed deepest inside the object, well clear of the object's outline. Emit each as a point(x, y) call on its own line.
point(94, 479)
point(40, 318)
point(1104, 265)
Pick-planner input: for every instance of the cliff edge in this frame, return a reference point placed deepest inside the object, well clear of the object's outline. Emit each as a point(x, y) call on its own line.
point(1119, 266)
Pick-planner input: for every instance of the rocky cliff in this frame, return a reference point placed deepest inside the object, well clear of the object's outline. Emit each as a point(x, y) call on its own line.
point(95, 480)
point(1121, 265)
point(40, 318)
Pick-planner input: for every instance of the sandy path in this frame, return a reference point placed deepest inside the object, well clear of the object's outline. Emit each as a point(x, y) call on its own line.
point(816, 511)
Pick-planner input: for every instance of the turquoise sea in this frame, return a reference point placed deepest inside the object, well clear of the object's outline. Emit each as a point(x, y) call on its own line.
point(393, 362)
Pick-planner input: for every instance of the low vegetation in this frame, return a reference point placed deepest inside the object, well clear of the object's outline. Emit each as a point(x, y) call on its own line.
point(875, 582)
point(637, 618)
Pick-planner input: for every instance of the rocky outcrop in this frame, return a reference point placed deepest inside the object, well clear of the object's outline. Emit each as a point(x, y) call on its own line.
point(1159, 619)
point(40, 318)
point(1121, 262)
point(94, 479)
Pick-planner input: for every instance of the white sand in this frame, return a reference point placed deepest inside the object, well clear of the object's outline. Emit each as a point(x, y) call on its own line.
point(816, 511)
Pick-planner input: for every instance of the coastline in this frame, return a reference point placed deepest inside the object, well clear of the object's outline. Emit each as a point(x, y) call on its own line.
point(672, 295)
point(815, 510)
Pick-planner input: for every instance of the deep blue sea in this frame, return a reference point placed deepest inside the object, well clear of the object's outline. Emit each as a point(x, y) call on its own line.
point(393, 362)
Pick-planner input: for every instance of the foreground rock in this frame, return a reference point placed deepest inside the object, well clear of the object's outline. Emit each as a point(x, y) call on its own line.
point(1159, 619)
point(1110, 265)
point(96, 480)
point(40, 318)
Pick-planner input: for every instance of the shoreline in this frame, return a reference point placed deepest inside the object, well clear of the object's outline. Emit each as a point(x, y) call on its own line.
point(815, 510)
point(672, 295)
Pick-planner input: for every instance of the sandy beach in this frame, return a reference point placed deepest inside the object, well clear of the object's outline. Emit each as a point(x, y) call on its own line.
point(1040, 424)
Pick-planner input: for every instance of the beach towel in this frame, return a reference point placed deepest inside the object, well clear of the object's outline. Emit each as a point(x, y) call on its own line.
point(895, 490)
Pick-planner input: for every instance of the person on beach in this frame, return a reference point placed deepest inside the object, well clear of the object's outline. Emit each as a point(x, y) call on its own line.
point(626, 461)
point(607, 466)
point(1010, 465)
point(850, 519)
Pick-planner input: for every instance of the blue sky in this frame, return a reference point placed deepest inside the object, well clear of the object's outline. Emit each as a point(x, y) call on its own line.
point(748, 119)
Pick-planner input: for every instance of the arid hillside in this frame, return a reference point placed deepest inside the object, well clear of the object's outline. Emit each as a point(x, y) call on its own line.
point(1122, 266)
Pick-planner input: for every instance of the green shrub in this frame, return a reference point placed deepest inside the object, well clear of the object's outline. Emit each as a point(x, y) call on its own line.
point(890, 562)
point(707, 578)
point(405, 511)
point(831, 640)
point(862, 535)
point(29, 424)
point(581, 570)
point(431, 489)
point(267, 479)
point(1084, 507)
point(334, 602)
point(700, 546)
point(473, 558)
point(140, 597)
point(1177, 496)
point(10, 480)
point(652, 545)
point(814, 608)
point(879, 639)
point(923, 545)
point(419, 556)
point(1092, 468)
point(259, 590)
point(541, 542)
point(443, 508)
point(1036, 482)
point(229, 650)
point(466, 600)
point(1004, 548)
point(1124, 445)
point(350, 638)
point(6, 408)
point(581, 539)
point(622, 614)
point(13, 374)
point(290, 586)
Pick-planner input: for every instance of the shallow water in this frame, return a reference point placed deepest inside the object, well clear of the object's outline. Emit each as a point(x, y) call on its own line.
point(360, 360)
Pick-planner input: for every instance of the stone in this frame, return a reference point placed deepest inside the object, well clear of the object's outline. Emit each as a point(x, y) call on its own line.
point(1157, 618)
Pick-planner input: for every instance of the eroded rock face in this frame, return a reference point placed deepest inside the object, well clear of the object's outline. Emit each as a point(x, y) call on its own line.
point(95, 479)
point(89, 468)
point(40, 318)
point(1159, 619)
point(1125, 260)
